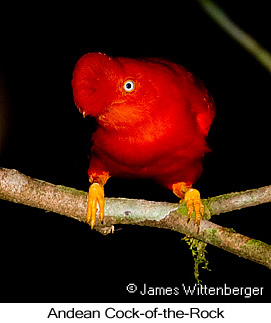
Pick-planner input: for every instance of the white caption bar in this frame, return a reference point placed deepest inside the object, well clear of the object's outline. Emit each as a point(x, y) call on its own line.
point(122, 312)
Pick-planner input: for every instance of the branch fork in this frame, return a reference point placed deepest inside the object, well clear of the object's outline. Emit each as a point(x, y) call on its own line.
point(19, 188)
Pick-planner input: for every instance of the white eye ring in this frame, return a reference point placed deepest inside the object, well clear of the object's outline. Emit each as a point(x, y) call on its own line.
point(129, 86)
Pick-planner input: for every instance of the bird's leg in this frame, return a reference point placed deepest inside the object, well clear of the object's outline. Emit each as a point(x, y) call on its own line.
point(192, 199)
point(96, 196)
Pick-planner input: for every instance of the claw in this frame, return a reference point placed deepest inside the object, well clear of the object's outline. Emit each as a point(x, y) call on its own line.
point(193, 202)
point(192, 199)
point(95, 195)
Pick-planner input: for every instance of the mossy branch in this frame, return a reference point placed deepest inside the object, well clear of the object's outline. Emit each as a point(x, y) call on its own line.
point(19, 188)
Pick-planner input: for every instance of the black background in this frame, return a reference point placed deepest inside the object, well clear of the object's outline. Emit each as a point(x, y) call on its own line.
point(47, 257)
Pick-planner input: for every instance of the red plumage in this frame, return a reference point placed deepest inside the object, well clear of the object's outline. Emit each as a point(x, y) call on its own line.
point(153, 117)
point(157, 130)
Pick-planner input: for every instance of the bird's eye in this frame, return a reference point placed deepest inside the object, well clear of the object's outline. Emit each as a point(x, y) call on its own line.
point(129, 86)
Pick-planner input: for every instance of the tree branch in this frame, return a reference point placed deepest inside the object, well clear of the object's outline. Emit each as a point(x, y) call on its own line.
point(19, 188)
point(260, 53)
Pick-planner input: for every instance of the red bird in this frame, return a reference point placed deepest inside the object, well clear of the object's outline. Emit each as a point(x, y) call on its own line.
point(153, 118)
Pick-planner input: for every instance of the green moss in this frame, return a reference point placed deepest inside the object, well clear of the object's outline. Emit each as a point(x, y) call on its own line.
point(199, 252)
point(71, 190)
point(212, 233)
point(182, 209)
point(210, 202)
point(255, 243)
point(221, 197)
point(213, 236)
point(259, 249)
point(207, 212)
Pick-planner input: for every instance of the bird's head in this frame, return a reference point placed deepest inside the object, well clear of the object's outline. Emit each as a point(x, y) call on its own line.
point(118, 92)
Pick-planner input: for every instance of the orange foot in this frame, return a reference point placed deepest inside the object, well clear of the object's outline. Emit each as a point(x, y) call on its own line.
point(95, 195)
point(192, 199)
